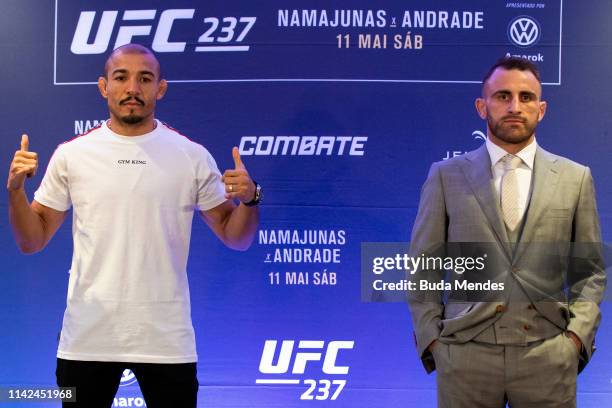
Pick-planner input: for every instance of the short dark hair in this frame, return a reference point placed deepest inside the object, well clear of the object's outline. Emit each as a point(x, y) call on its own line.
point(510, 63)
point(131, 49)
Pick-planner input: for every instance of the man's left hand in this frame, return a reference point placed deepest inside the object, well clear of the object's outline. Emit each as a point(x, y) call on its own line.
point(238, 183)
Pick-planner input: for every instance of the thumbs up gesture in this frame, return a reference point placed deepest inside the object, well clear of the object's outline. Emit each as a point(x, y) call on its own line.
point(24, 165)
point(238, 183)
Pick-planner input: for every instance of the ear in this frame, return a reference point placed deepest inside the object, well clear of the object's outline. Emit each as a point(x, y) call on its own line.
point(542, 112)
point(102, 82)
point(481, 108)
point(163, 87)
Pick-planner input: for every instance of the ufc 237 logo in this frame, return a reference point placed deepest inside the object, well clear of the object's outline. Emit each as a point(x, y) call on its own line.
point(219, 34)
point(289, 361)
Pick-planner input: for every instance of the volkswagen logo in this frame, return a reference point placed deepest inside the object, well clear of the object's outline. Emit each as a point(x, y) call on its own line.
point(524, 31)
point(127, 378)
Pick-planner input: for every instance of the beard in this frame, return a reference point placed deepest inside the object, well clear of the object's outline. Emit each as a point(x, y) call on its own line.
point(513, 134)
point(131, 119)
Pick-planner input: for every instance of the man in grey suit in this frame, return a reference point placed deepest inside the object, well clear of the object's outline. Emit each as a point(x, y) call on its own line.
point(525, 345)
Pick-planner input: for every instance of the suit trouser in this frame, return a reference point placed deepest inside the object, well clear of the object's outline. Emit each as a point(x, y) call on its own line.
point(478, 375)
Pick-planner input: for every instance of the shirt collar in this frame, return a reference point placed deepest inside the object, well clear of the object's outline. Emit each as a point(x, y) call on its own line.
point(527, 155)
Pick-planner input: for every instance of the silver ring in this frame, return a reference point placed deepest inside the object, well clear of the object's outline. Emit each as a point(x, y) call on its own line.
point(231, 188)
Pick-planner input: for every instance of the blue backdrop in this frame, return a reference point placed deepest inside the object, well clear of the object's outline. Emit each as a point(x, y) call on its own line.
point(339, 110)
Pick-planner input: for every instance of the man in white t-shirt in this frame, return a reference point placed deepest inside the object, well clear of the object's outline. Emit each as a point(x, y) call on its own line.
point(134, 184)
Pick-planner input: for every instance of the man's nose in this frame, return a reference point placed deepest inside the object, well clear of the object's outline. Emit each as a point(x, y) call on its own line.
point(133, 87)
point(514, 106)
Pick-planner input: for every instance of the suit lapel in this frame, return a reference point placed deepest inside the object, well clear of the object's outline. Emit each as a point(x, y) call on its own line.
point(477, 170)
point(545, 179)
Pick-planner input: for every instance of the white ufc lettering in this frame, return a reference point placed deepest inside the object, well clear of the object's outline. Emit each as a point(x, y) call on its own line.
point(301, 358)
point(161, 39)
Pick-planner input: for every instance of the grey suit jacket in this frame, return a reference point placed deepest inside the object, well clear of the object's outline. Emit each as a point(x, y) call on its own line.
point(459, 204)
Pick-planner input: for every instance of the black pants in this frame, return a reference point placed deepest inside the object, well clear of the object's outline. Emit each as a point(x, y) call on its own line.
point(162, 385)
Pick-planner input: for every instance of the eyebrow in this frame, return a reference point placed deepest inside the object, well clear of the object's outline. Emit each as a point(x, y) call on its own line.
point(124, 71)
point(505, 91)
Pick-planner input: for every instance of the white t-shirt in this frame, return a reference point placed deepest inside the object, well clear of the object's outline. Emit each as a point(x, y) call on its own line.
point(133, 202)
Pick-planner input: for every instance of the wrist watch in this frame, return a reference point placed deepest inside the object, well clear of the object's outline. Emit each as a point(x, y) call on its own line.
point(258, 196)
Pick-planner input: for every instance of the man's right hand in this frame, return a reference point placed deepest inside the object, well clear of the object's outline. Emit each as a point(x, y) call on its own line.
point(24, 165)
point(432, 345)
